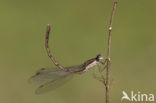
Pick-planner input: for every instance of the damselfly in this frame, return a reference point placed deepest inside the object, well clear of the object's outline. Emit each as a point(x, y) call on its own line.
point(54, 77)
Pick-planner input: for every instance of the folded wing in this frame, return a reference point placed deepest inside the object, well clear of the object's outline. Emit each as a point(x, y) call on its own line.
point(51, 78)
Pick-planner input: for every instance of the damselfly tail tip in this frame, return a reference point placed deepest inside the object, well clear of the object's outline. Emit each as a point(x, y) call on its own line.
point(48, 24)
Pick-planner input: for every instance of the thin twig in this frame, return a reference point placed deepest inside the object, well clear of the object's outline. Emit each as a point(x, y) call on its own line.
point(108, 51)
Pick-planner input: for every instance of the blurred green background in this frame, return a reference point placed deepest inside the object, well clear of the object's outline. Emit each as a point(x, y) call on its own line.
point(79, 32)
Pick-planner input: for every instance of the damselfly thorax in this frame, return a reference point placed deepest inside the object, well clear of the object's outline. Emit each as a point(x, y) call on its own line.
point(92, 62)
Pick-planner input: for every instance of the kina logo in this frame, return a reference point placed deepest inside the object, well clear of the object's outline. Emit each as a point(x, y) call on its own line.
point(138, 96)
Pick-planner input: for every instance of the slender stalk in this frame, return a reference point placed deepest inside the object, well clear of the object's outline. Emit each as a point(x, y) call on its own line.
point(108, 52)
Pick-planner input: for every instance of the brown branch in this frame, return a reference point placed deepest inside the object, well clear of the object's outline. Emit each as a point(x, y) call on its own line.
point(108, 51)
point(49, 54)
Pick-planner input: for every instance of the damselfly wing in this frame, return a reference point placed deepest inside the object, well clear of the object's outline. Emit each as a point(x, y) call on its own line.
point(51, 78)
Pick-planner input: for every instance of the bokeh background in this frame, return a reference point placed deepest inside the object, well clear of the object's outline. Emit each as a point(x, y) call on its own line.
point(79, 32)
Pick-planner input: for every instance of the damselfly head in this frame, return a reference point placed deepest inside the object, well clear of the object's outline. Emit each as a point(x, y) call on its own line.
point(99, 57)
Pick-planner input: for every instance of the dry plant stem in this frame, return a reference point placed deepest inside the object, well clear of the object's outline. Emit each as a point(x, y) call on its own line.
point(49, 54)
point(108, 52)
